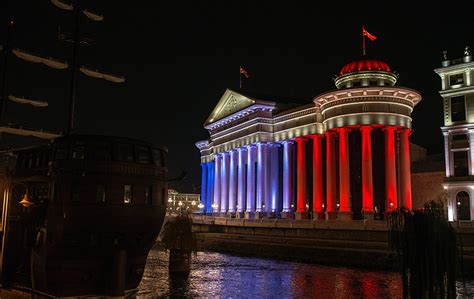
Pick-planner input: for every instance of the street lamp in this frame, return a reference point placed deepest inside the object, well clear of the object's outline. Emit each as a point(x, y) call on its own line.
point(214, 207)
point(25, 201)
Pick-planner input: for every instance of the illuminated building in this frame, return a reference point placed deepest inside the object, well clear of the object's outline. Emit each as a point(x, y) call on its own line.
point(457, 90)
point(345, 155)
point(189, 202)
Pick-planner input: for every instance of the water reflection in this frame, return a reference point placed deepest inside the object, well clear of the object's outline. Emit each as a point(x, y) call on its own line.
point(221, 275)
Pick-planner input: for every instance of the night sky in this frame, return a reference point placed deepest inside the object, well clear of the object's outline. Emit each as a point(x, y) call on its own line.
point(179, 58)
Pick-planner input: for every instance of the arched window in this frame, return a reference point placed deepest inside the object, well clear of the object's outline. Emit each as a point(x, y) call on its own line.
point(463, 206)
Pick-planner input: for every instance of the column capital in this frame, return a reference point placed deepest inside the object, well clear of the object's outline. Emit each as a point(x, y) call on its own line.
point(287, 141)
point(389, 127)
point(329, 133)
point(366, 128)
point(250, 146)
point(241, 149)
point(226, 153)
point(301, 139)
point(316, 136)
point(404, 129)
point(343, 129)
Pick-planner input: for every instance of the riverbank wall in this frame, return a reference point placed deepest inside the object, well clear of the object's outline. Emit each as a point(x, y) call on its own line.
point(352, 243)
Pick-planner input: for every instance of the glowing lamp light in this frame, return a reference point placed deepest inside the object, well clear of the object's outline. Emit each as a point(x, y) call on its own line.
point(169, 200)
point(459, 203)
point(292, 205)
point(337, 205)
point(25, 201)
point(200, 205)
point(180, 203)
point(391, 204)
point(193, 203)
point(214, 206)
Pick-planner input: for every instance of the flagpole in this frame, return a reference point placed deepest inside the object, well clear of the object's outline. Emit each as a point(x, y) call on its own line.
point(363, 41)
point(240, 80)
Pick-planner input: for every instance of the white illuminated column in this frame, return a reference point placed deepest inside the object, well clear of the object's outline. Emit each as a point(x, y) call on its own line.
point(262, 173)
point(447, 154)
point(287, 177)
point(225, 182)
point(217, 181)
point(471, 151)
point(275, 190)
point(233, 180)
point(241, 185)
point(251, 151)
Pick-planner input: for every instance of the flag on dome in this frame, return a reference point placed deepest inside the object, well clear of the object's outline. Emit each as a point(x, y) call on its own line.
point(366, 33)
point(244, 72)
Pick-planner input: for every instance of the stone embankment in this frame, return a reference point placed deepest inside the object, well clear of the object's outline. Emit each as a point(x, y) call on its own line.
point(352, 243)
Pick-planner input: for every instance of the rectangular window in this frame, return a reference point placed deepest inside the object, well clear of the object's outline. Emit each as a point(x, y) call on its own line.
point(458, 109)
point(460, 164)
point(456, 79)
point(127, 194)
point(78, 150)
point(75, 192)
point(459, 137)
point(148, 195)
point(158, 157)
point(100, 195)
point(143, 155)
point(124, 152)
point(100, 151)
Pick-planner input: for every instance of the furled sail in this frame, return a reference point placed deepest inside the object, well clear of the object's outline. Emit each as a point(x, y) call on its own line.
point(38, 59)
point(93, 16)
point(97, 74)
point(35, 103)
point(62, 5)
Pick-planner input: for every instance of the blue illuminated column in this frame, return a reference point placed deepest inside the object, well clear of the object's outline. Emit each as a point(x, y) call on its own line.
point(217, 182)
point(275, 190)
point(287, 176)
point(262, 176)
point(204, 175)
point(241, 185)
point(225, 182)
point(234, 155)
point(251, 153)
point(210, 186)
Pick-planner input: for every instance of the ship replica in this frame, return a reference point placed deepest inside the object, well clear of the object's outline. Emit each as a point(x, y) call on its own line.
point(80, 213)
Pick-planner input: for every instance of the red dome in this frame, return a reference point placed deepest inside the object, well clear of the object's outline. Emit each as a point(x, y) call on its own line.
point(365, 65)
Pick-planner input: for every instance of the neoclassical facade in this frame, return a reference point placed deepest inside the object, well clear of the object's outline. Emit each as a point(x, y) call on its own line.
point(344, 155)
point(457, 90)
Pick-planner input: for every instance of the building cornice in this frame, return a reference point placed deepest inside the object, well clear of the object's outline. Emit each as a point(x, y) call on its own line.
point(358, 94)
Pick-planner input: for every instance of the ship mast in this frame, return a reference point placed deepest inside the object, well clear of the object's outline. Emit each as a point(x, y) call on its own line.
point(77, 41)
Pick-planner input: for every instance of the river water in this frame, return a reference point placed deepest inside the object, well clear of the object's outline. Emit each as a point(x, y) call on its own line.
point(224, 276)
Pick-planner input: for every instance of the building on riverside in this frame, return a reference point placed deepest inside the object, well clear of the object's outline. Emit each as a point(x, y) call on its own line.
point(344, 155)
point(457, 91)
point(188, 202)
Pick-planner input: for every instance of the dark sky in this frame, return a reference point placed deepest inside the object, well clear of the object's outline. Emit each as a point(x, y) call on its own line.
point(179, 57)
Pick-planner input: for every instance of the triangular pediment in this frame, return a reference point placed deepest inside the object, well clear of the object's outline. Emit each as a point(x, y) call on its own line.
point(230, 102)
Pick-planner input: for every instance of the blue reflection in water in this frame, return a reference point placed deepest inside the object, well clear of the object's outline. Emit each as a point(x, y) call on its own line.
point(222, 275)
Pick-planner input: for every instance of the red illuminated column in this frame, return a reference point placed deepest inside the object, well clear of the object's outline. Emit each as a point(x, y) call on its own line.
point(318, 199)
point(390, 170)
point(405, 173)
point(301, 177)
point(367, 190)
point(331, 178)
point(345, 211)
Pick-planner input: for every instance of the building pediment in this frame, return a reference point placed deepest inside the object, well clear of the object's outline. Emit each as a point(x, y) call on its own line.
point(232, 102)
